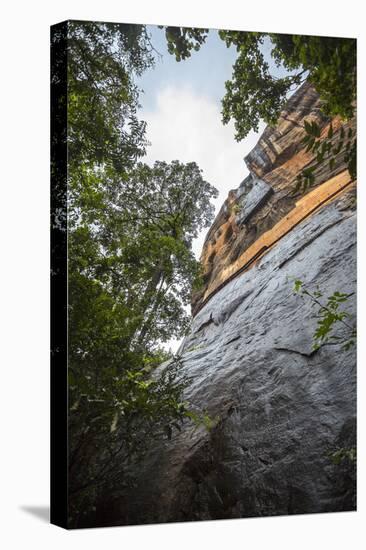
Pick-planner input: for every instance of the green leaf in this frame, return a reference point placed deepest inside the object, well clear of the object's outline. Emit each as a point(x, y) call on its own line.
point(308, 127)
point(297, 285)
point(315, 129)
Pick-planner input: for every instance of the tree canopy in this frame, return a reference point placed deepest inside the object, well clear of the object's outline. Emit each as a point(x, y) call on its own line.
point(255, 93)
point(130, 264)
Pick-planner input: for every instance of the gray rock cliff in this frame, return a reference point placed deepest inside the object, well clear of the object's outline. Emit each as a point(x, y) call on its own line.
point(279, 407)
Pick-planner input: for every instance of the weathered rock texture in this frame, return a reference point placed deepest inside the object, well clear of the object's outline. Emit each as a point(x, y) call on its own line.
point(279, 407)
point(267, 195)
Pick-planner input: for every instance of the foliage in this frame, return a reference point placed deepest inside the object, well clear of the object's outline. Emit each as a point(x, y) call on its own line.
point(329, 317)
point(327, 149)
point(130, 266)
point(102, 97)
point(343, 454)
point(182, 40)
point(115, 413)
point(234, 208)
point(203, 419)
point(174, 194)
point(331, 66)
point(138, 237)
point(254, 93)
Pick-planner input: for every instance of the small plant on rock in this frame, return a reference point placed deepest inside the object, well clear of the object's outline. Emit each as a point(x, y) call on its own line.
point(329, 316)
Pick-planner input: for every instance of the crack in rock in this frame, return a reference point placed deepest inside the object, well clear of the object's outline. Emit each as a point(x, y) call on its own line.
point(303, 353)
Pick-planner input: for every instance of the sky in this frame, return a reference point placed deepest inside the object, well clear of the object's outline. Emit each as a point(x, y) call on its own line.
point(181, 104)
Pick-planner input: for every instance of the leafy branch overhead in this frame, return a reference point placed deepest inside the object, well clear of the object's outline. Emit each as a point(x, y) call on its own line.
point(255, 92)
point(327, 149)
point(182, 40)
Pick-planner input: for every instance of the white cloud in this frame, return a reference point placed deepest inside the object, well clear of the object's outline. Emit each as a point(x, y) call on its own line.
point(187, 126)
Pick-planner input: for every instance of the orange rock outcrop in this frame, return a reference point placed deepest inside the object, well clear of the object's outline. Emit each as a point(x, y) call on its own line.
point(266, 206)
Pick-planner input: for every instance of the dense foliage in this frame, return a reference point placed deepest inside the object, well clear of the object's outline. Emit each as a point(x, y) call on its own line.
point(255, 93)
point(131, 266)
point(102, 96)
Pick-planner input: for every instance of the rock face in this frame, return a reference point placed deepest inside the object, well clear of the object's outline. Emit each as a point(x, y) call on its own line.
point(279, 407)
point(268, 194)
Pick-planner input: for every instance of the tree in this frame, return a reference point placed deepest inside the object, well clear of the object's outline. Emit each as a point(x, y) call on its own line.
point(326, 149)
point(130, 270)
point(168, 205)
point(255, 93)
point(103, 60)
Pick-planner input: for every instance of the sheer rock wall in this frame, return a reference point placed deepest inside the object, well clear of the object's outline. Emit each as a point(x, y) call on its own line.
point(279, 407)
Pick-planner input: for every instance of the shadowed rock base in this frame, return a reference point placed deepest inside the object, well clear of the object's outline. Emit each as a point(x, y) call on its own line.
point(280, 407)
